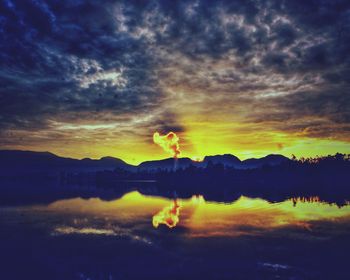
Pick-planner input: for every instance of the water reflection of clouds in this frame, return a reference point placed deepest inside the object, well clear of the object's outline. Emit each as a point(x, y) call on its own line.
point(61, 230)
point(199, 218)
point(89, 230)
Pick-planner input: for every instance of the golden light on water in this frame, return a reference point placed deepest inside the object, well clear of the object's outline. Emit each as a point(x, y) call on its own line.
point(168, 216)
point(202, 218)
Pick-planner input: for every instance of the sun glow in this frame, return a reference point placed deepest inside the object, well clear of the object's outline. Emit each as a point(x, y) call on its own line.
point(197, 158)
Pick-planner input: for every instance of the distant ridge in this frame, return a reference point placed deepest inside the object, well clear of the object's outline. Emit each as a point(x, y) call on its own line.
point(270, 160)
point(168, 163)
point(16, 160)
point(227, 160)
point(12, 161)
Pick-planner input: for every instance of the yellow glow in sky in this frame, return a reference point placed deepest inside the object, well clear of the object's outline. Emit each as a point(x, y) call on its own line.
point(199, 140)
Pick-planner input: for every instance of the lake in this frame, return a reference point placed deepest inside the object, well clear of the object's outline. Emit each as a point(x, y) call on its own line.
point(149, 237)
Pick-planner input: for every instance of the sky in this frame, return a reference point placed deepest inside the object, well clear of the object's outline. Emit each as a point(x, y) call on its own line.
point(95, 78)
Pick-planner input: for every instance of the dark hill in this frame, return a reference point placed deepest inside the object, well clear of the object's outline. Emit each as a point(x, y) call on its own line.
point(13, 161)
point(269, 160)
point(227, 160)
point(165, 164)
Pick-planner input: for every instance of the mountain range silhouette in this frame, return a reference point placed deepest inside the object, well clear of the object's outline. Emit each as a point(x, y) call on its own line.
point(30, 177)
point(14, 161)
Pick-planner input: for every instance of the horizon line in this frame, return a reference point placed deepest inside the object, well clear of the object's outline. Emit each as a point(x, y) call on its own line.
point(92, 158)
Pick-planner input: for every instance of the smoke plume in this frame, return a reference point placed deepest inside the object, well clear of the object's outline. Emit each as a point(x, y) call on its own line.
point(169, 143)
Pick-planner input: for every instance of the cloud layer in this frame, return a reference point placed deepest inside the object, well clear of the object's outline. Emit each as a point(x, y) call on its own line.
point(106, 71)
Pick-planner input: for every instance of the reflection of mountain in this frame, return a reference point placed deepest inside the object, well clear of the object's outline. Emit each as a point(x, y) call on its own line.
point(115, 240)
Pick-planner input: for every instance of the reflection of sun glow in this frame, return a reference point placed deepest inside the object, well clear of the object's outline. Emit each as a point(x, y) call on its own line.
point(168, 216)
point(197, 199)
point(203, 218)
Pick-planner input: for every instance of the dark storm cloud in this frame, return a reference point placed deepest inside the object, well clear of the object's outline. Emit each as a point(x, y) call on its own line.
point(167, 122)
point(56, 58)
point(70, 61)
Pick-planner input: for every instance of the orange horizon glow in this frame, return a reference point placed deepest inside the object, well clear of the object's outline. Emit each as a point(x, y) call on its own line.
point(195, 145)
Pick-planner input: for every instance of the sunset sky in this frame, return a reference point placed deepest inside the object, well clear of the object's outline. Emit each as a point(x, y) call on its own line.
point(95, 78)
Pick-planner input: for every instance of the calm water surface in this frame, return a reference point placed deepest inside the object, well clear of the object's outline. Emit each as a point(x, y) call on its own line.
point(191, 239)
